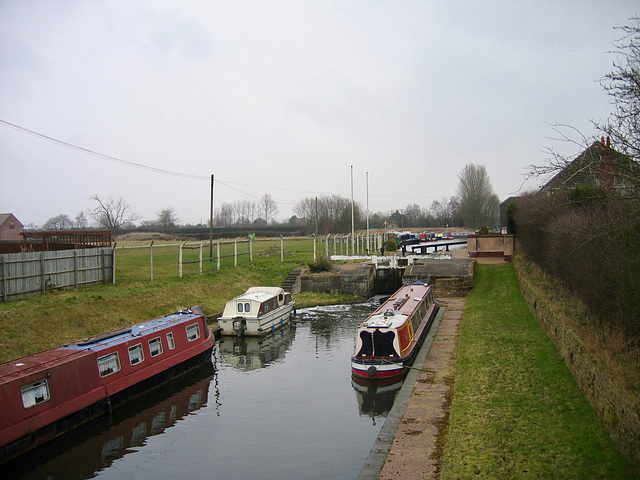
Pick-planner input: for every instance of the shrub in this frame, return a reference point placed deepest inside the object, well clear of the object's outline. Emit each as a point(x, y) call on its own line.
point(390, 246)
point(322, 264)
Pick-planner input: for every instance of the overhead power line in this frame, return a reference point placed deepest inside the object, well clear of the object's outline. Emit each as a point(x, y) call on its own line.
point(101, 155)
point(181, 174)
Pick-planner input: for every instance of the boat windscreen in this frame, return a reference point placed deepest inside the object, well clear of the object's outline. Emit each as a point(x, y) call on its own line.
point(378, 343)
point(367, 344)
point(383, 344)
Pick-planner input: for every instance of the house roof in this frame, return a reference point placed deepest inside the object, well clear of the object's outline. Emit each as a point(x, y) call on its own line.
point(5, 216)
point(588, 168)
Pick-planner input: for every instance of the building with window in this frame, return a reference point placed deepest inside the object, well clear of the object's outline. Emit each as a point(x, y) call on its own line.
point(10, 227)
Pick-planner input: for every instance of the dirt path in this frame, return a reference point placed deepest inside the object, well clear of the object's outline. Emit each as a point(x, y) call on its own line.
point(415, 452)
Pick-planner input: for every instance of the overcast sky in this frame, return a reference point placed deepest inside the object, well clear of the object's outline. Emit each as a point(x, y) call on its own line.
point(283, 97)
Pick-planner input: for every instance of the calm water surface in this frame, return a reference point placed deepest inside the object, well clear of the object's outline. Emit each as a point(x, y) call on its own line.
point(283, 408)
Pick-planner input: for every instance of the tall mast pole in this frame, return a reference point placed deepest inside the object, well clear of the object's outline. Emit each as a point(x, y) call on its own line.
point(367, 213)
point(211, 222)
point(352, 220)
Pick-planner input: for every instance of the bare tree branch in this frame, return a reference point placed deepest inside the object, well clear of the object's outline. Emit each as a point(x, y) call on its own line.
point(112, 214)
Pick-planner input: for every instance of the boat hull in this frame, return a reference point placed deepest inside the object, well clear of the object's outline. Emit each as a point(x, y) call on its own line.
point(377, 372)
point(257, 327)
point(102, 407)
point(49, 393)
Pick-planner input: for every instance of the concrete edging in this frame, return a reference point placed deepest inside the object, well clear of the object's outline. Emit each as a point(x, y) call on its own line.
point(380, 450)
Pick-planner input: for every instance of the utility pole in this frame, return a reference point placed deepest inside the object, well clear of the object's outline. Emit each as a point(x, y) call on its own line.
point(211, 222)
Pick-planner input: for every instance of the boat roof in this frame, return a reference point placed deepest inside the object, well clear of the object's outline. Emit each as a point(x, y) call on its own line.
point(14, 368)
point(272, 290)
point(405, 299)
point(394, 312)
point(260, 294)
point(101, 342)
point(92, 344)
point(389, 319)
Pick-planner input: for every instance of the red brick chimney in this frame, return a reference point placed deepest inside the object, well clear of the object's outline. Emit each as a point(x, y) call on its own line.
point(605, 166)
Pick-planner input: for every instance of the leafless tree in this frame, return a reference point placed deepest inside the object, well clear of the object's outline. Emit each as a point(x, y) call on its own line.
point(112, 214)
point(167, 219)
point(331, 212)
point(268, 207)
point(225, 215)
point(246, 211)
point(623, 86)
point(443, 211)
point(479, 205)
point(81, 221)
point(306, 208)
point(60, 222)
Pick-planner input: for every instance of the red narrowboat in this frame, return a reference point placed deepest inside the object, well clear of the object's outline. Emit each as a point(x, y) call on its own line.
point(47, 394)
point(389, 339)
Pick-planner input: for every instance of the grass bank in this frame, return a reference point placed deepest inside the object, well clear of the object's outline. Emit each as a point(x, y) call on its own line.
point(516, 410)
point(39, 322)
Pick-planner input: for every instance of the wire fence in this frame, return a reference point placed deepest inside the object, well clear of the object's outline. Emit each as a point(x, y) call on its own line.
point(151, 261)
point(204, 257)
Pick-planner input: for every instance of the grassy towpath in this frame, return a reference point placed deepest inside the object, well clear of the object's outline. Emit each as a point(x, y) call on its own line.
point(516, 411)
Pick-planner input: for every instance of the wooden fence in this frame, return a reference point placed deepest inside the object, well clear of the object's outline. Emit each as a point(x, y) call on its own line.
point(36, 272)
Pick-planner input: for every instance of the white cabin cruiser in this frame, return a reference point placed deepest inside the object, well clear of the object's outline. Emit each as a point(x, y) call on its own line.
point(258, 311)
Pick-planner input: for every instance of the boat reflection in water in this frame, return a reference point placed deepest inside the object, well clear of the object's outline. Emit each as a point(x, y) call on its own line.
point(375, 401)
point(95, 445)
point(251, 353)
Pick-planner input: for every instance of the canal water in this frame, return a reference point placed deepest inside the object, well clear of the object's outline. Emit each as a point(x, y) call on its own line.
point(280, 408)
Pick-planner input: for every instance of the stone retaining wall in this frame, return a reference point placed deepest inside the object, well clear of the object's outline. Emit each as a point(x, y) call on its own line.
point(452, 286)
point(617, 408)
point(358, 281)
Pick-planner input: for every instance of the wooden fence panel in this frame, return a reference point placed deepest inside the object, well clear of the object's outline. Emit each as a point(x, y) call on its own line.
point(36, 272)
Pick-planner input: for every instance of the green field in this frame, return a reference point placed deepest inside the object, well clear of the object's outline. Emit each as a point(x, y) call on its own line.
point(39, 322)
point(516, 411)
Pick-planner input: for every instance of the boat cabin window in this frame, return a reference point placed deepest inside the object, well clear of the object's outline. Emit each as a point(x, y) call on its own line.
point(35, 393)
point(155, 346)
point(109, 364)
point(193, 332)
point(135, 354)
point(269, 305)
point(244, 307)
point(170, 341)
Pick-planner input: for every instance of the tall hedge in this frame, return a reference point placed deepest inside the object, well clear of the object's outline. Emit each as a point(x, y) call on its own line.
point(590, 240)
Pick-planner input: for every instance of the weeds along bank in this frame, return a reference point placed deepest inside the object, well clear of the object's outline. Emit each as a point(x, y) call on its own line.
point(604, 364)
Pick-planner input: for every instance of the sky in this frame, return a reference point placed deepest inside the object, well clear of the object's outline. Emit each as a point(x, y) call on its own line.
point(145, 100)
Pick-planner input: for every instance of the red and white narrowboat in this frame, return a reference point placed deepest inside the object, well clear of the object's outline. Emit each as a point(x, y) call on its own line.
point(47, 394)
point(389, 339)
